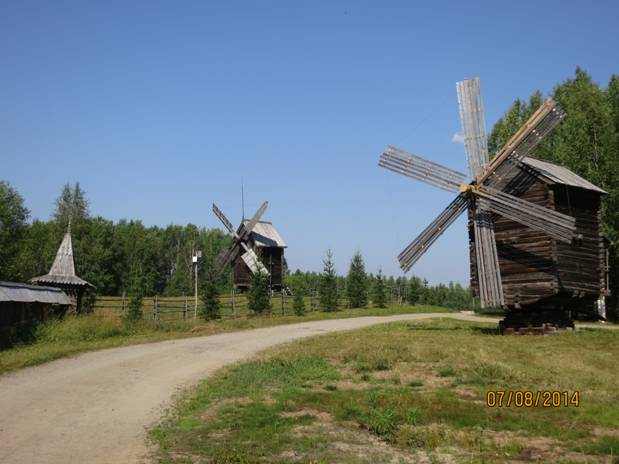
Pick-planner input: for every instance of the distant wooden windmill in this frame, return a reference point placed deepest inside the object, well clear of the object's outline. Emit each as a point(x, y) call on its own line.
point(516, 267)
point(256, 247)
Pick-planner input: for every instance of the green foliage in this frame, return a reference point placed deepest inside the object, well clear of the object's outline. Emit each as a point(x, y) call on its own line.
point(209, 294)
point(357, 282)
point(13, 217)
point(328, 284)
point(134, 308)
point(259, 298)
point(415, 290)
point(71, 205)
point(298, 303)
point(379, 297)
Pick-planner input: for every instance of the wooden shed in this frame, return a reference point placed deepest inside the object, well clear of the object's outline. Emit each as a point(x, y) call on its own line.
point(23, 305)
point(62, 274)
point(545, 279)
point(269, 247)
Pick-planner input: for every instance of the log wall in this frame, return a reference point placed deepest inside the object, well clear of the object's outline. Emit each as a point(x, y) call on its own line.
point(580, 265)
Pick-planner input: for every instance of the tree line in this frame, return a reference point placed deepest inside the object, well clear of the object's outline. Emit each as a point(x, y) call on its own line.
point(126, 257)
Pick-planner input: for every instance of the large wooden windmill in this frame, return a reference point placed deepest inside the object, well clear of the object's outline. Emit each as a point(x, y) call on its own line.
point(532, 226)
point(256, 247)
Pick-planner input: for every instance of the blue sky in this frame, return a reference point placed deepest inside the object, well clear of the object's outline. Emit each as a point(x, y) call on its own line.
point(160, 108)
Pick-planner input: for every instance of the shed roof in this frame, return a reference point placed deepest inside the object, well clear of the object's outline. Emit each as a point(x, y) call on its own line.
point(559, 174)
point(24, 293)
point(266, 235)
point(63, 269)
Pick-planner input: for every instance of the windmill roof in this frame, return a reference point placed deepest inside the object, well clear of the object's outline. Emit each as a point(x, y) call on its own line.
point(24, 293)
point(266, 235)
point(560, 175)
point(63, 269)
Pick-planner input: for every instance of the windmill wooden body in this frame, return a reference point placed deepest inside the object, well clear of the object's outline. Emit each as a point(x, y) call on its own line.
point(524, 241)
point(257, 246)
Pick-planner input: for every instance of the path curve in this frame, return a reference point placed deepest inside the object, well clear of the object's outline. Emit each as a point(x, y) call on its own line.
point(95, 407)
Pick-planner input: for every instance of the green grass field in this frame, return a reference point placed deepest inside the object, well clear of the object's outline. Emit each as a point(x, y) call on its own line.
point(404, 392)
point(105, 329)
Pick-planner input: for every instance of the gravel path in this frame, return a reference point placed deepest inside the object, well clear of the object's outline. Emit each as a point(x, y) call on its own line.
point(95, 407)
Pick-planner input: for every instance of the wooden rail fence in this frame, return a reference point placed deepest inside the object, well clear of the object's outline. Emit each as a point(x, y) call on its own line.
point(171, 308)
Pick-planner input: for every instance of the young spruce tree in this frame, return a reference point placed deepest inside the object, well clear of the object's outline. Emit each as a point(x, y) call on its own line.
point(379, 298)
point(298, 303)
point(357, 282)
point(328, 284)
point(259, 298)
point(209, 294)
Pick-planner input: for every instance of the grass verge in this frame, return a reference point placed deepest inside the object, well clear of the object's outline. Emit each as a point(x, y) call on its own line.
point(76, 334)
point(403, 392)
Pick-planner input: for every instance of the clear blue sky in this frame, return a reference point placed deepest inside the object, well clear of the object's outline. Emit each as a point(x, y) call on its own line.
point(159, 108)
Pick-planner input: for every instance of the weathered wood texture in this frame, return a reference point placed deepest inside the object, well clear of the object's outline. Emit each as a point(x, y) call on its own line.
point(271, 257)
point(536, 268)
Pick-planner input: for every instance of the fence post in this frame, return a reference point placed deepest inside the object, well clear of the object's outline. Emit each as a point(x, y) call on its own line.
point(185, 309)
point(155, 308)
point(283, 302)
point(233, 304)
point(124, 307)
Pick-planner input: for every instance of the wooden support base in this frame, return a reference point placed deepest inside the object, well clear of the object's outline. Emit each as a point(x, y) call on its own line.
point(532, 320)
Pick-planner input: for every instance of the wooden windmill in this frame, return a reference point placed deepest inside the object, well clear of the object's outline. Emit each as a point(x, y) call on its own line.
point(498, 192)
point(256, 247)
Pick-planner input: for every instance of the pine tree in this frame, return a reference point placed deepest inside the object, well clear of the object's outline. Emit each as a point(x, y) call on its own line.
point(298, 303)
point(259, 298)
point(357, 282)
point(328, 284)
point(209, 294)
point(379, 297)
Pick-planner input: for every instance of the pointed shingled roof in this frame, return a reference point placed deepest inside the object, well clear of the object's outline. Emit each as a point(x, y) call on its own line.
point(63, 269)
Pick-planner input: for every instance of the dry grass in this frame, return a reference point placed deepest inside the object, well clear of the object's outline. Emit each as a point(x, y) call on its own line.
point(105, 329)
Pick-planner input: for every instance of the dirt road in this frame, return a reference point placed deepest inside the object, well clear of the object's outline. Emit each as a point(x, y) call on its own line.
point(94, 408)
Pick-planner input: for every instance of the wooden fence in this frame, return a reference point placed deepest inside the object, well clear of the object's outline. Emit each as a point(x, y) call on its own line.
point(171, 308)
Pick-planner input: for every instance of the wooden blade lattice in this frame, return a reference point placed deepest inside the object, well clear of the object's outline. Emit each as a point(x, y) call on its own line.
point(249, 226)
point(557, 225)
point(411, 254)
point(540, 124)
point(487, 260)
point(473, 125)
point(418, 168)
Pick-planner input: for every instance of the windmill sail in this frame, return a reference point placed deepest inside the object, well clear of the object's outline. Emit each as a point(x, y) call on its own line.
point(559, 226)
point(530, 134)
point(473, 125)
point(416, 167)
point(411, 254)
point(487, 261)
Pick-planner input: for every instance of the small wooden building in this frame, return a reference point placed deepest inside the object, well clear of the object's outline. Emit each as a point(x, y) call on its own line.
point(269, 247)
point(23, 306)
point(62, 274)
point(545, 279)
